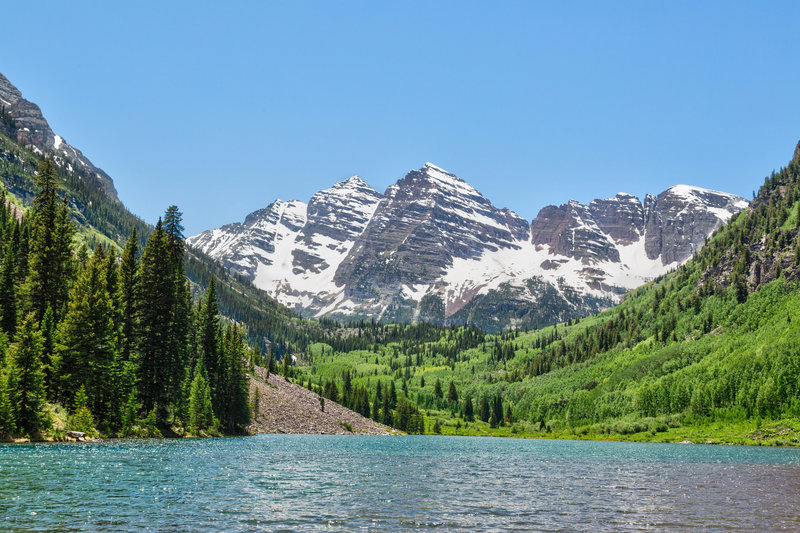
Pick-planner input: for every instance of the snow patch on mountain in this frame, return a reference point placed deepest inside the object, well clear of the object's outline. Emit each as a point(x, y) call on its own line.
point(354, 252)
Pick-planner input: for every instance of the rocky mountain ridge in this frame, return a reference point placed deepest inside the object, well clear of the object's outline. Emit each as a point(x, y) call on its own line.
point(31, 129)
point(432, 247)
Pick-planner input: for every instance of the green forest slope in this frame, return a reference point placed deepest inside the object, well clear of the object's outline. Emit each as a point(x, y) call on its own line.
point(710, 352)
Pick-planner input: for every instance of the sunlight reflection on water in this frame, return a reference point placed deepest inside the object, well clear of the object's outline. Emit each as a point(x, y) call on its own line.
point(347, 483)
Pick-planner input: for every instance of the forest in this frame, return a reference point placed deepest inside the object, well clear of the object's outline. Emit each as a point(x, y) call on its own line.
point(91, 339)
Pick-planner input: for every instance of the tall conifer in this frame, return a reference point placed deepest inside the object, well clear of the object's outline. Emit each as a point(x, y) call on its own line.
point(25, 367)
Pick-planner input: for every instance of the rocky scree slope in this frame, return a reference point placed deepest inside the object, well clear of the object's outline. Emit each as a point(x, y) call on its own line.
point(285, 407)
point(434, 248)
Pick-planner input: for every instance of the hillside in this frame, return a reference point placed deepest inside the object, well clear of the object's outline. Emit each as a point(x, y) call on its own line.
point(281, 406)
point(708, 352)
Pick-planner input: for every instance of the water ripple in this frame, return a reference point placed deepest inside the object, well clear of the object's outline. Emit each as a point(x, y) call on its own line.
point(335, 483)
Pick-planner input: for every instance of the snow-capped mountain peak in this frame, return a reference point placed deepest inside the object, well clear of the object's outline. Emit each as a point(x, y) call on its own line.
point(433, 247)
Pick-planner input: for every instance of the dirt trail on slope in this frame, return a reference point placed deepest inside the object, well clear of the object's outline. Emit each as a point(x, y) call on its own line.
point(285, 407)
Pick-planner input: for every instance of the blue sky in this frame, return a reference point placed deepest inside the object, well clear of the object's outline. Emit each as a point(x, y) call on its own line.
point(223, 110)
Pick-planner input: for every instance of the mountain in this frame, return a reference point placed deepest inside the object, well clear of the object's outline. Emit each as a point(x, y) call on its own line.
point(708, 352)
point(432, 247)
point(29, 127)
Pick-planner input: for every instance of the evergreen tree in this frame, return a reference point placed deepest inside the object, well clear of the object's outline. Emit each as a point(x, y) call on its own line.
point(236, 410)
point(469, 415)
point(270, 366)
point(209, 342)
point(497, 412)
point(386, 412)
point(484, 411)
point(50, 359)
point(173, 227)
point(86, 340)
point(156, 310)
point(452, 395)
point(81, 418)
point(437, 388)
point(392, 395)
point(8, 285)
point(49, 258)
point(8, 425)
point(376, 408)
point(201, 412)
point(127, 295)
point(25, 367)
point(129, 394)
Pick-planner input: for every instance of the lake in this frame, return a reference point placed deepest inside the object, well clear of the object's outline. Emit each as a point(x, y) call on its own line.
point(415, 483)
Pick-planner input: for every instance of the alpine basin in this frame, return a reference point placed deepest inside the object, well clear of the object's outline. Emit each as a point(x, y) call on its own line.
point(334, 483)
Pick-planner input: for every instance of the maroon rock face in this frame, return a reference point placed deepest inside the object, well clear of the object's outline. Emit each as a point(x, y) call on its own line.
point(681, 218)
point(424, 221)
point(381, 254)
point(572, 231)
point(621, 217)
point(674, 224)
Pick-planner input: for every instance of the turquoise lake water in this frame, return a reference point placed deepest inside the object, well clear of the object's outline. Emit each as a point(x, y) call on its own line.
point(416, 483)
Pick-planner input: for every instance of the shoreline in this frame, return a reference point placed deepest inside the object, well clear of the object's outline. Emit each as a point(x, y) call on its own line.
point(556, 437)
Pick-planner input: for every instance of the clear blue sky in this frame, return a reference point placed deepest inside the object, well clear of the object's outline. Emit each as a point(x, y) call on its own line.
point(223, 110)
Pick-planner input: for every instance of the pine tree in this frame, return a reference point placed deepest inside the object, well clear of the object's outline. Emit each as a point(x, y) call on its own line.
point(182, 407)
point(173, 228)
point(437, 388)
point(201, 412)
point(25, 367)
point(129, 394)
point(484, 411)
point(285, 371)
point(86, 340)
point(452, 395)
point(469, 415)
point(156, 309)
point(236, 409)
point(49, 259)
point(81, 418)
point(127, 295)
point(270, 366)
point(496, 418)
point(209, 342)
point(392, 395)
point(8, 425)
point(8, 285)
point(50, 358)
point(387, 417)
point(376, 408)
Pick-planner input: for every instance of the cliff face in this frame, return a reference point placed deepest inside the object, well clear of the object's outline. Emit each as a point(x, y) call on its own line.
point(424, 221)
point(432, 247)
point(32, 130)
point(682, 217)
